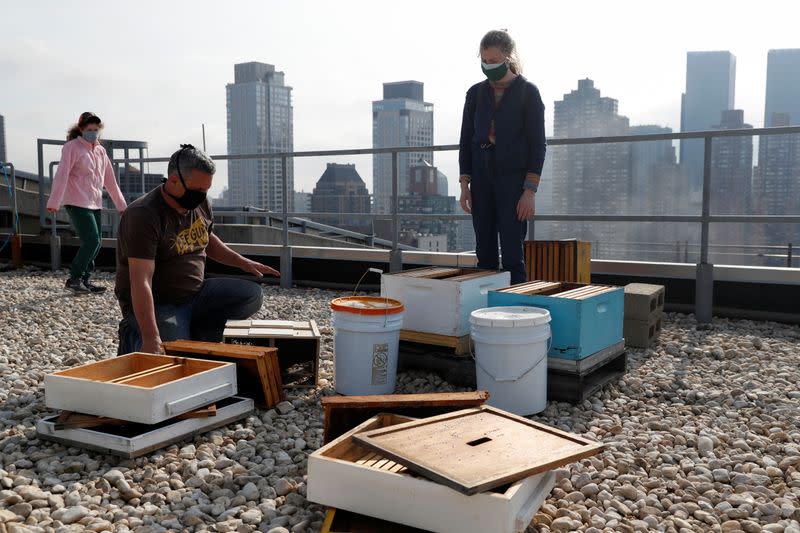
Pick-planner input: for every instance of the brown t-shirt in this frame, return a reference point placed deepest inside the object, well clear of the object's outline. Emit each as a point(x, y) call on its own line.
point(151, 229)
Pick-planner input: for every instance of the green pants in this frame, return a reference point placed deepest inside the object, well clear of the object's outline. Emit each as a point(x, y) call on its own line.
point(88, 226)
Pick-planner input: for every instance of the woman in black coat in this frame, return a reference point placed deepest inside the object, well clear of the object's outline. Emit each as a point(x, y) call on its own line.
point(501, 155)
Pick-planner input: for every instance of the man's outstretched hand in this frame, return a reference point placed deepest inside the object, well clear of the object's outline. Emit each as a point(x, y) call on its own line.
point(257, 269)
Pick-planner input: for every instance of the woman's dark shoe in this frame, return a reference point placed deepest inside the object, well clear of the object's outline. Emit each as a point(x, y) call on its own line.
point(92, 287)
point(74, 284)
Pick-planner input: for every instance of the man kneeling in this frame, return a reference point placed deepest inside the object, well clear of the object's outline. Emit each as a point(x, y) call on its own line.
point(164, 239)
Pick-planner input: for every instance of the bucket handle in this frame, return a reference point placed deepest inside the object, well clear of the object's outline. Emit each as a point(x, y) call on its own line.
point(517, 378)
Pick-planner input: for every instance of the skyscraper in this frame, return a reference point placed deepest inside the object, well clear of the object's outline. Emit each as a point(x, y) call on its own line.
point(259, 121)
point(783, 85)
point(592, 178)
point(646, 157)
point(710, 87)
point(402, 118)
point(340, 189)
point(2, 138)
point(731, 166)
point(776, 184)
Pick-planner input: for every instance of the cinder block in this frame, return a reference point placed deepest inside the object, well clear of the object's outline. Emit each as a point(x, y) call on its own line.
point(643, 301)
point(642, 333)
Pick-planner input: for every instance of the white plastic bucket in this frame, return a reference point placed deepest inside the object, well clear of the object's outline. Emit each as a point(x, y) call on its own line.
point(511, 345)
point(366, 339)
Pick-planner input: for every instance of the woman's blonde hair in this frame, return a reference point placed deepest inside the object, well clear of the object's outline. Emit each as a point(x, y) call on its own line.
point(503, 41)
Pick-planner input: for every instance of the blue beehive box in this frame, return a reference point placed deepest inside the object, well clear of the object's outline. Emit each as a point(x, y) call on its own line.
point(585, 318)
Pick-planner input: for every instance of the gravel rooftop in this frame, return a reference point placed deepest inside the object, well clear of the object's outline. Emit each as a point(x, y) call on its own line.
point(703, 434)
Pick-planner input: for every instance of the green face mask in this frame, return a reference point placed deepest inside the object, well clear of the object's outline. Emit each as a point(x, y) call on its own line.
point(494, 72)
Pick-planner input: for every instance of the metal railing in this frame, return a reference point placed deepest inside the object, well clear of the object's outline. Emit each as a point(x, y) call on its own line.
point(704, 273)
point(7, 170)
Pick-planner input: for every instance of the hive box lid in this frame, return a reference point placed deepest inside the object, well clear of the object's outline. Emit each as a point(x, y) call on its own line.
point(477, 449)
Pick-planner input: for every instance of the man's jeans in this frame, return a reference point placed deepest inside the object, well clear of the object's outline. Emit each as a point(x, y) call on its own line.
point(203, 318)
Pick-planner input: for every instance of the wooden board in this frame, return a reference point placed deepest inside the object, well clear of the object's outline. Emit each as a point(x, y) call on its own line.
point(344, 475)
point(298, 344)
point(343, 413)
point(459, 345)
point(584, 262)
point(70, 420)
point(431, 272)
point(257, 370)
point(478, 449)
point(134, 440)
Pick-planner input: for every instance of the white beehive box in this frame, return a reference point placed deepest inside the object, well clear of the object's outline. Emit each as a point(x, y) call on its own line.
point(439, 300)
point(135, 440)
point(140, 387)
point(346, 476)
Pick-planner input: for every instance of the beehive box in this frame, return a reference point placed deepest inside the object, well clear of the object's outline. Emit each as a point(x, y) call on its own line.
point(134, 440)
point(139, 387)
point(298, 344)
point(585, 319)
point(258, 374)
point(439, 300)
point(346, 476)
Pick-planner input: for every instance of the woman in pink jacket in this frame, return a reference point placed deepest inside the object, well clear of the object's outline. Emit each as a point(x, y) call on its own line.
point(82, 173)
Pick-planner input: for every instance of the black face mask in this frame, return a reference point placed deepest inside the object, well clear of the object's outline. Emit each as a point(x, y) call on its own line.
point(191, 198)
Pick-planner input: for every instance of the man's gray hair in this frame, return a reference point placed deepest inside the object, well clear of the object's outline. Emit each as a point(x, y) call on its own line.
point(191, 159)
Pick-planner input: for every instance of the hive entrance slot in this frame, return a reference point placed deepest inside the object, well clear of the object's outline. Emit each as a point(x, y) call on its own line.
point(478, 442)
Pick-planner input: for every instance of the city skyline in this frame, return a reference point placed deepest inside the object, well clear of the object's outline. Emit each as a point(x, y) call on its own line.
point(165, 88)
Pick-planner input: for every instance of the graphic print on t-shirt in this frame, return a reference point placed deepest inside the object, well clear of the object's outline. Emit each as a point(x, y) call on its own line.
point(193, 238)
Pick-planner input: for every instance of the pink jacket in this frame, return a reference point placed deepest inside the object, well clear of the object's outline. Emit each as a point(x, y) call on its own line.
point(82, 173)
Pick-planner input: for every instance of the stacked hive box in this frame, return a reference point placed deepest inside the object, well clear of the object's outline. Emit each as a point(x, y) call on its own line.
point(567, 260)
point(644, 307)
point(438, 302)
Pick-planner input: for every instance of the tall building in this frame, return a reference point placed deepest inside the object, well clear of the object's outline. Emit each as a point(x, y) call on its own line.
point(340, 189)
point(302, 202)
point(783, 85)
point(134, 184)
point(2, 138)
point(259, 121)
point(658, 187)
point(710, 87)
point(591, 178)
point(776, 183)
point(401, 119)
point(731, 185)
point(731, 167)
point(646, 157)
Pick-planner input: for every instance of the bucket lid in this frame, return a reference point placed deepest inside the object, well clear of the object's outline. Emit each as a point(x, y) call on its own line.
point(367, 305)
point(510, 317)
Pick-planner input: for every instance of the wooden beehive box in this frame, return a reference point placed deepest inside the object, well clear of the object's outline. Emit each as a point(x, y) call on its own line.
point(344, 475)
point(298, 344)
point(585, 319)
point(439, 300)
point(567, 260)
point(343, 413)
point(139, 387)
point(258, 374)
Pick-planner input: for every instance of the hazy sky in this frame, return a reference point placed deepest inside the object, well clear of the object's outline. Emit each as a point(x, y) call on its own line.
point(155, 71)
